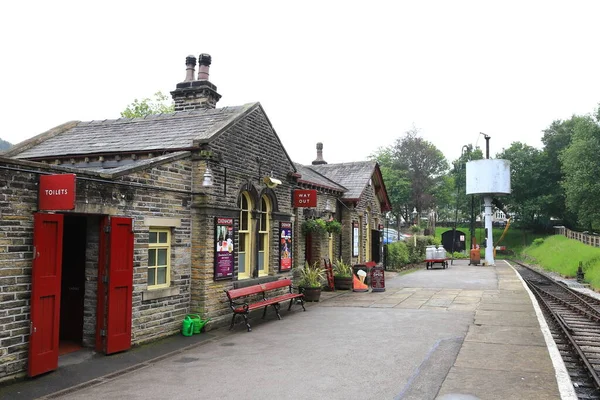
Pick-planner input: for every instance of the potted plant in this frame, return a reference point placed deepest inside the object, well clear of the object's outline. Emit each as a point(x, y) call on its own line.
point(342, 275)
point(315, 225)
point(310, 281)
point(333, 226)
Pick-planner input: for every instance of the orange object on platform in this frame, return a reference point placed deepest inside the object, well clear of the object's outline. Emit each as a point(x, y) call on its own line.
point(358, 285)
point(475, 257)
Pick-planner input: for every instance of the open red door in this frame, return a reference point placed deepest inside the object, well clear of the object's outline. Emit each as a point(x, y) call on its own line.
point(45, 293)
point(120, 285)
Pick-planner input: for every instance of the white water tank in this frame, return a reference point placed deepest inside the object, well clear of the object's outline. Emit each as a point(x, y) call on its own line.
point(488, 177)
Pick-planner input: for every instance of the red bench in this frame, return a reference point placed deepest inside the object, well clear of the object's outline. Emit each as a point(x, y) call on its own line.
point(240, 307)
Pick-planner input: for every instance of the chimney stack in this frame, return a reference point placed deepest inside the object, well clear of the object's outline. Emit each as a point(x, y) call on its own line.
point(196, 94)
point(204, 64)
point(190, 63)
point(319, 160)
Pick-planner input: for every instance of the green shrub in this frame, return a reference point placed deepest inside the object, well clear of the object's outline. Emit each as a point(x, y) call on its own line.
point(397, 255)
point(538, 241)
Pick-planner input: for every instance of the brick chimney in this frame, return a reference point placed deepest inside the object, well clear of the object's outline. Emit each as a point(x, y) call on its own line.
point(319, 160)
point(195, 94)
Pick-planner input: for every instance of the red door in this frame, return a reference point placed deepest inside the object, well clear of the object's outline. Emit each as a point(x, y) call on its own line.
point(120, 285)
point(45, 293)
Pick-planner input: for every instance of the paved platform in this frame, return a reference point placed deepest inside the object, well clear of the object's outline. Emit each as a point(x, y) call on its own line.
point(466, 332)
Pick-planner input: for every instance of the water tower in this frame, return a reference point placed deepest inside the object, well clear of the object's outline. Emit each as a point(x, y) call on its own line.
point(488, 178)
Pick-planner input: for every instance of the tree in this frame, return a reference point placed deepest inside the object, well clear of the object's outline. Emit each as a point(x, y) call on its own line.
point(581, 169)
point(556, 138)
point(460, 199)
point(396, 182)
point(4, 145)
point(147, 106)
point(529, 196)
point(424, 165)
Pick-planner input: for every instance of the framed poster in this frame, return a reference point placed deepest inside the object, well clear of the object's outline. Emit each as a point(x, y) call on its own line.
point(354, 239)
point(285, 246)
point(224, 256)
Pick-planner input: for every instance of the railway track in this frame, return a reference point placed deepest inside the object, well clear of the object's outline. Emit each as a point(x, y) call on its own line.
point(574, 321)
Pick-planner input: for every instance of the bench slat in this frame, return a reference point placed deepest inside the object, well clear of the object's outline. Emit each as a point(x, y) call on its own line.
point(242, 292)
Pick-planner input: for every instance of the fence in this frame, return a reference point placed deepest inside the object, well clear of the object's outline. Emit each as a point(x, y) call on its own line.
point(586, 238)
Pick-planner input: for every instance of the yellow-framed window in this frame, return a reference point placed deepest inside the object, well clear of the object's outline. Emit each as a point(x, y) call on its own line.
point(245, 238)
point(159, 258)
point(264, 230)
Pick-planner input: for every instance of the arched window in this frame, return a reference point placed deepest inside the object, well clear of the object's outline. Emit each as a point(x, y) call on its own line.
point(264, 231)
point(245, 237)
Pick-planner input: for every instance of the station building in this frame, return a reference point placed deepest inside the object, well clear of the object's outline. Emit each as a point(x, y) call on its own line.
point(112, 231)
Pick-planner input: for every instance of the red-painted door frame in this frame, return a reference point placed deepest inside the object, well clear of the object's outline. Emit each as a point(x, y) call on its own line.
point(101, 286)
point(120, 285)
point(45, 293)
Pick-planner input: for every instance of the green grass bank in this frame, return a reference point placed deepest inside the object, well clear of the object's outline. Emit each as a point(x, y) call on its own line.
point(561, 255)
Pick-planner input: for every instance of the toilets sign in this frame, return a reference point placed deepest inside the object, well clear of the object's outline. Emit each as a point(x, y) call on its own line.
point(57, 192)
point(305, 198)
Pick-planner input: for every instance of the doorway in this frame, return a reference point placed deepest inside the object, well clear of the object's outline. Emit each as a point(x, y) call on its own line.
point(72, 296)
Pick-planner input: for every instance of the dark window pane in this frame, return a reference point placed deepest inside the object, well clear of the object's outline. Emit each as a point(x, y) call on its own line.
point(151, 257)
point(162, 276)
point(162, 237)
point(244, 221)
point(162, 257)
point(151, 276)
point(153, 237)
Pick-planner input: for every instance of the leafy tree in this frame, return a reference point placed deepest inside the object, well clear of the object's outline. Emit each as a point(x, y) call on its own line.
point(396, 182)
point(424, 165)
point(556, 138)
point(581, 169)
point(4, 145)
point(147, 106)
point(459, 174)
point(529, 198)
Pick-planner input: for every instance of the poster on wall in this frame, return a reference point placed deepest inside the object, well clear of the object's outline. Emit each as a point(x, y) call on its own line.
point(285, 246)
point(224, 256)
point(354, 239)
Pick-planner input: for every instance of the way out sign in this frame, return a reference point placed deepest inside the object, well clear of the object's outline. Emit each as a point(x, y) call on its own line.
point(57, 192)
point(305, 198)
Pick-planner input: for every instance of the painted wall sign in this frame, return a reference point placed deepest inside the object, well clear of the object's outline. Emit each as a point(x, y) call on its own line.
point(305, 198)
point(285, 246)
point(355, 239)
point(224, 255)
point(57, 192)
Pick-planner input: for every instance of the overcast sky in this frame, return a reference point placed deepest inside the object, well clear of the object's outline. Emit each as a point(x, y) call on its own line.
point(355, 75)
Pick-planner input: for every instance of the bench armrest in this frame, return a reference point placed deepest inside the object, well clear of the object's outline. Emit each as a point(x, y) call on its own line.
point(235, 304)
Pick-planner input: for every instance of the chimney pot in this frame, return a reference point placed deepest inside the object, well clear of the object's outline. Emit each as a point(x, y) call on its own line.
point(204, 61)
point(319, 160)
point(190, 63)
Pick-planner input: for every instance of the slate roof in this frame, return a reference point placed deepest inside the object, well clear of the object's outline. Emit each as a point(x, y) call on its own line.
point(354, 176)
point(170, 132)
point(307, 175)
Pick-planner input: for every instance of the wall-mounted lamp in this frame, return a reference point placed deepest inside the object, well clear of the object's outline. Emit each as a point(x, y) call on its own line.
point(207, 179)
point(271, 182)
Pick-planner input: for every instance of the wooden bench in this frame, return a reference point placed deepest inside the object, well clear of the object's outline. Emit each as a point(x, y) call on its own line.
point(240, 307)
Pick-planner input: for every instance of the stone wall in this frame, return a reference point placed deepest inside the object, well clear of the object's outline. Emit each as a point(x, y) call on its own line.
point(239, 159)
point(18, 202)
point(162, 192)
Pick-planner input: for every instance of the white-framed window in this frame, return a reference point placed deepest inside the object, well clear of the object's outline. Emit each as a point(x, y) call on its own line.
point(159, 258)
point(264, 230)
point(245, 238)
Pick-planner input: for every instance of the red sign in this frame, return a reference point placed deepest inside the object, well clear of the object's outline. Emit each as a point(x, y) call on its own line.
point(57, 192)
point(305, 198)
